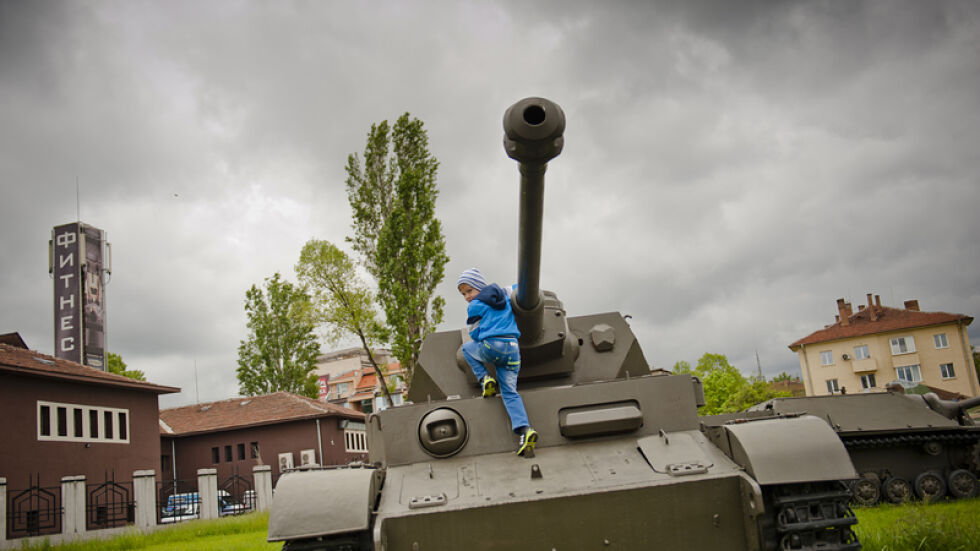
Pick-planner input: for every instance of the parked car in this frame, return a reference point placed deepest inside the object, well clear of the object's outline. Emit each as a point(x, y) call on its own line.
point(181, 507)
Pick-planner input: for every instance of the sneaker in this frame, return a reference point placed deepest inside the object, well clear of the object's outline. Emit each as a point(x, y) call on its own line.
point(489, 386)
point(528, 440)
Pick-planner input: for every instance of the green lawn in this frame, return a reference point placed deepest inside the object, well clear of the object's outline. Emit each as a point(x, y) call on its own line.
point(914, 527)
point(240, 533)
point(948, 526)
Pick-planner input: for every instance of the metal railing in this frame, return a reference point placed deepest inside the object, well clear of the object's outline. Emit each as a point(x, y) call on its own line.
point(35, 511)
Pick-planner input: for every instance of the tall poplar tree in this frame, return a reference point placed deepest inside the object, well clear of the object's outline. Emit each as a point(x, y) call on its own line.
point(393, 195)
point(280, 351)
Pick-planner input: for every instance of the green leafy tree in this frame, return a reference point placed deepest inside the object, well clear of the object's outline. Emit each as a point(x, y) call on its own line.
point(726, 390)
point(280, 351)
point(341, 302)
point(115, 364)
point(783, 377)
point(392, 195)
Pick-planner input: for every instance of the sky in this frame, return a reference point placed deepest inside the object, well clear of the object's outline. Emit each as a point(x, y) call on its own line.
point(730, 169)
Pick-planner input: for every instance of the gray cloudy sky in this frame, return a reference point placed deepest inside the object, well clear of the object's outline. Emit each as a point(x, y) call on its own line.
point(730, 168)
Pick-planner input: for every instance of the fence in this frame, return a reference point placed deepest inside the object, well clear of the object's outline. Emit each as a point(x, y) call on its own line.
point(34, 511)
point(69, 511)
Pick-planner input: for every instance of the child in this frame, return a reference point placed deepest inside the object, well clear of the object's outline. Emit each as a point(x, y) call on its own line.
point(494, 333)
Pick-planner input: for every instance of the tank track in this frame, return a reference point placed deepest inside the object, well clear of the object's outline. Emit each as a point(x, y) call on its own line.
point(884, 441)
point(808, 517)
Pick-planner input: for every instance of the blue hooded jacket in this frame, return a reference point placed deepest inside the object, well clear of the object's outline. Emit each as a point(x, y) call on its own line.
point(489, 315)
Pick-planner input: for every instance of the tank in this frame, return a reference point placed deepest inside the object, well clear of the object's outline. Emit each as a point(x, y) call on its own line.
point(621, 462)
point(904, 446)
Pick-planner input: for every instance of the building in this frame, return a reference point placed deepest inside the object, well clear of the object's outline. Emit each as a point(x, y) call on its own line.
point(347, 378)
point(282, 430)
point(66, 419)
point(864, 350)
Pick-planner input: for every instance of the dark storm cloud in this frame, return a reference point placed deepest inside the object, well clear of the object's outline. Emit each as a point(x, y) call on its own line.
point(730, 169)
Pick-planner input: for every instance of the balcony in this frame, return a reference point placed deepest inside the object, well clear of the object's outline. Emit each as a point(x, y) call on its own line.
point(865, 365)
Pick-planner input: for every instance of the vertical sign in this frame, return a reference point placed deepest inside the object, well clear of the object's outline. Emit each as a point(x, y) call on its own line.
point(79, 294)
point(67, 290)
point(93, 298)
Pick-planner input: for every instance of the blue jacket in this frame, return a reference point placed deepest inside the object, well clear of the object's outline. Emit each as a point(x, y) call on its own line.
point(489, 315)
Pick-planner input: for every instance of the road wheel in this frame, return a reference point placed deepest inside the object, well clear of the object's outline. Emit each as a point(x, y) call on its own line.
point(897, 490)
point(962, 483)
point(867, 490)
point(930, 486)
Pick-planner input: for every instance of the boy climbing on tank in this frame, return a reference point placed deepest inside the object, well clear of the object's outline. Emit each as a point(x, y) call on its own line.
point(494, 333)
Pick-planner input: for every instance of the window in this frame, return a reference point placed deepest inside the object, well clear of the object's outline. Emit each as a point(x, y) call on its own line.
point(215, 455)
point(903, 345)
point(355, 440)
point(868, 381)
point(827, 357)
point(255, 450)
point(861, 352)
point(909, 373)
point(108, 424)
point(228, 456)
point(832, 386)
point(940, 340)
point(81, 423)
point(241, 452)
point(946, 370)
point(62, 421)
point(341, 389)
point(44, 421)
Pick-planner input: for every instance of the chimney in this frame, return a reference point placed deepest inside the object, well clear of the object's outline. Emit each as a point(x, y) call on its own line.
point(871, 309)
point(912, 305)
point(844, 310)
point(878, 301)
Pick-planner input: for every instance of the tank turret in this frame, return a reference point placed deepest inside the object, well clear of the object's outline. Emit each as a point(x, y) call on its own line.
point(620, 461)
point(555, 350)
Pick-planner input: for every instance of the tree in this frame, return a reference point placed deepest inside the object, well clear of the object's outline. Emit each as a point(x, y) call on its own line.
point(396, 233)
point(280, 351)
point(115, 364)
point(783, 377)
point(341, 301)
point(726, 390)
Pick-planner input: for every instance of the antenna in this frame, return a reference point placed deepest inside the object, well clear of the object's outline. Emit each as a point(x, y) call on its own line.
point(197, 394)
point(78, 208)
point(758, 364)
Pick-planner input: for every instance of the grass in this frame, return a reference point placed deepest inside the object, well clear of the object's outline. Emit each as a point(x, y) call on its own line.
point(239, 533)
point(948, 526)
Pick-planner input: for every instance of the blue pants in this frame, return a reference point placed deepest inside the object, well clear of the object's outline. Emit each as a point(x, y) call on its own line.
point(505, 356)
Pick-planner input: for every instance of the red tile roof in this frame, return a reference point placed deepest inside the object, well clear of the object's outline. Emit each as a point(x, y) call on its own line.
point(248, 411)
point(889, 319)
point(368, 381)
point(34, 364)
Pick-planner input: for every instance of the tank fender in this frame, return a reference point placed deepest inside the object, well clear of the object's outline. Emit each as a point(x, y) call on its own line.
point(788, 450)
point(310, 504)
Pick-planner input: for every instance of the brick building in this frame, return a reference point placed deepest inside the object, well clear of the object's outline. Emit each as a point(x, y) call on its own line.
point(282, 430)
point(66, 419)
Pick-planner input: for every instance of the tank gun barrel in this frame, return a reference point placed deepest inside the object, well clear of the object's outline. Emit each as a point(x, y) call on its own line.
point(949, 408)
point(533, 135)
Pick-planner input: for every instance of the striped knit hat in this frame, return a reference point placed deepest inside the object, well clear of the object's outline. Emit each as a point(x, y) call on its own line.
point(473, 278)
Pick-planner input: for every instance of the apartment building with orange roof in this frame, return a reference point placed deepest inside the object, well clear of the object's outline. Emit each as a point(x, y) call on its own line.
point(863, 351)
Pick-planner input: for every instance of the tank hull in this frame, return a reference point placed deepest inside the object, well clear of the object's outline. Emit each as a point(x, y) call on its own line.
point(902, 448)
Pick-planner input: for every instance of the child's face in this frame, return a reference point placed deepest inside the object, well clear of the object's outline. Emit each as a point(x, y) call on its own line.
point(468, 292)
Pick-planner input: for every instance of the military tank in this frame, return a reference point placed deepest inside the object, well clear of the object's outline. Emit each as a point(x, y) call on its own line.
point(621, 462)
point(904, 446)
